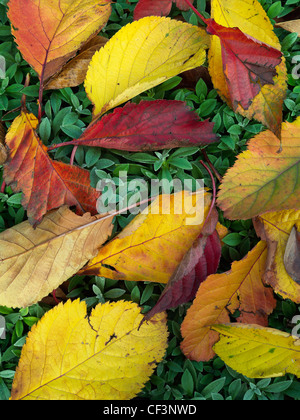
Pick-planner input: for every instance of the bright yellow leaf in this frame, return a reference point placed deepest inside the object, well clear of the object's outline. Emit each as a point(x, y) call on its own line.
point(69, 355)
point(250, 17)
point(151, 247)
point(140, 56)
point(275, 228)
point(258, 352)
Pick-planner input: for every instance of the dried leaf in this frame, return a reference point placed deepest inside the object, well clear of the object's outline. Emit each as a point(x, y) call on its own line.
point(292, 255)
point(74, 72)
point(69, 355)
point(45, 183)
point(258, 352)
point(34, 262)
point(140, 56)
point(220, 295)
point(291, 26)
point(263, 179)
point(3, 148)
point(150, 125)
point(153, 244)
point(49, 33)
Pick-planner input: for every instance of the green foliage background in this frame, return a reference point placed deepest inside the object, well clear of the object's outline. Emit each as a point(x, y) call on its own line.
point(67, 113)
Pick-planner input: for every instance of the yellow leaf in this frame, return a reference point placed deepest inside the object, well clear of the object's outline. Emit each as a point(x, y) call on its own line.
point(275, 228)
point(250, 17)
point(154, 243)
point(258, 352)
point(49, 33)
point(69, 355)
point(262, 179)
point(34, 262)
point(220, 295)
point(140, 56)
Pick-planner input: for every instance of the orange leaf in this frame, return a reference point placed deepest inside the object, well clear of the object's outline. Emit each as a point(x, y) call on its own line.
point(49, 33)
point(220, 295)
point(45, 183)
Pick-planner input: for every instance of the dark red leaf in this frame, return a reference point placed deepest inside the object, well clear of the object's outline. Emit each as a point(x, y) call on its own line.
point(151, 125)
point(201, 260)
point(248, 63)
point(157, 7)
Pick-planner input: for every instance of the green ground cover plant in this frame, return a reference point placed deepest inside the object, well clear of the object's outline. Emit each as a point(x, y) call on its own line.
point(67, 112)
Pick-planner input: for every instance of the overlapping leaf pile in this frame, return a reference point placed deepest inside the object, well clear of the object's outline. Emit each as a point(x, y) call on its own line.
point(160, 245)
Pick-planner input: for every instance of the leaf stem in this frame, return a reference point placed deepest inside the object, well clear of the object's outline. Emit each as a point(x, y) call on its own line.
point(196, 11)
point(214, 191)
point(218, 176)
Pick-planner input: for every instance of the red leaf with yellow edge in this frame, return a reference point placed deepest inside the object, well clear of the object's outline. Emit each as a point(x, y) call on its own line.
point(49, 33)
point(151, 125)
point(248, 64)
point(45, 183)
point(220, 295)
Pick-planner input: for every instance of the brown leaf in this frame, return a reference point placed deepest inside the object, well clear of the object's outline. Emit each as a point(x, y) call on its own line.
point(74, 72)
point(292, 255)
point(3, 149)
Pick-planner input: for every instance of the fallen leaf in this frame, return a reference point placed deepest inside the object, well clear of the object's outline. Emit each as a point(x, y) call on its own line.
point(74, 72)
point(157, 7)
point(291, 26)
point(150, 125)
point(142, 55)
point(48, 34)
point(258, 352)
point(262, 179)
point(292, 255)
point(153, 244)
point(69, 355)
point(45, 183)
point(250, 17)
point(34, 262)
point(3, 148)
point(221, 295)
point(276, 228)
point(201, 260)
point(248, 64)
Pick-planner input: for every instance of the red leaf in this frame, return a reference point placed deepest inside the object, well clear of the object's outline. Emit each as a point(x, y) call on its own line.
point(200, 261)
point(157, 7)
point(45, 183)
point(153, 125)
point(248, 63)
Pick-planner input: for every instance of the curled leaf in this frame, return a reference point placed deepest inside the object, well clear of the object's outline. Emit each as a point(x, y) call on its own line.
point(292, 255)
